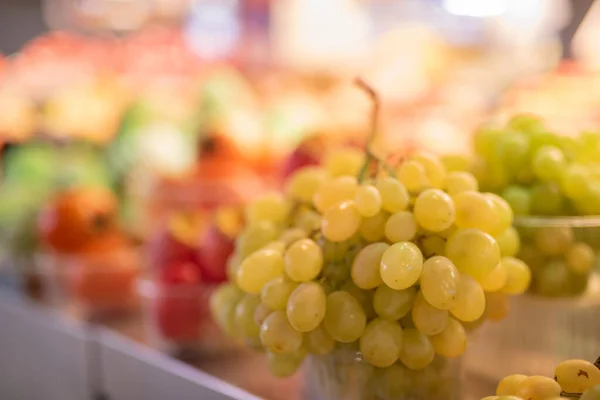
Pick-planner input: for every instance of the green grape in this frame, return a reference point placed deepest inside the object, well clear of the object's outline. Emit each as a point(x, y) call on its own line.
point(393, 304)
point(552, 280)
point(319, 342)
point(518, 276)
point(580, 258)
point(417, 351)
point(271, 207)
point(261, 313)
point(233, 263)
point(538, 388)
point(283, 365)
point(364, 297)
point(456, 162)
point(223, 302)
point(304, 183)
point(452, 341)
point(308, 220)
point(368, 201)
point(519, 199)
point(303, 260)
point(460, 181)
point(473, 252)
point(306, 306)
point(440, 282)
point(575, 181)
point(381, 342)
point(336, 274)
point(401, 265)
point(258, 269)
point(554, 241)
point(333, 251)
point(428, 319)
point(486, 141)
point(514, 150)
point(496, 306)
point(278, 336)
point(244, 316)
point(548, 163)
point(434, 210)
point(413, 177)
point(470, 301)
point(276, 245)
point(475, 210)
point(509, 242)
point(373, 229)
point(341, 222)
point(276, 292)
point(546, 199)
point(577, 376)
point(394, 196)
point(365, 268)
point(336, 191)
point(401, 227)
point(344, 161)
point(255, 236)
point(590, 203)
point(503, 211)
point(345, 319)
point(432, 245)
point(526, 123)
point(591, 394)
point(491, 177)
point(434, 169)
point(495, 280)
point(291, 235)
point(508, 385)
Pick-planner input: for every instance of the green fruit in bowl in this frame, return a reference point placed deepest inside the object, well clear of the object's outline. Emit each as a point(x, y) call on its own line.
point(35, 164)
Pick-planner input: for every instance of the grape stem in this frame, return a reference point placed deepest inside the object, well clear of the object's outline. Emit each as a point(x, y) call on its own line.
point(368, 89)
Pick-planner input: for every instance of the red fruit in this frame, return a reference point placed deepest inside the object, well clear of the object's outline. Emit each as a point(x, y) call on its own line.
point(181, 273)
point(215, 249)
point(179, 317)
point(309, 152)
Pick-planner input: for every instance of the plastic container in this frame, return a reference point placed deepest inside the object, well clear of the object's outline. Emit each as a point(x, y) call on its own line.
point(344, 375)
point(177, 320)
point(94, 287)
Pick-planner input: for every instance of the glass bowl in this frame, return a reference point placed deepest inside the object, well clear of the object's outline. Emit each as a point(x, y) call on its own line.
point(93, 287)
point(344, 375)
point(558, 318)
point(177, 320)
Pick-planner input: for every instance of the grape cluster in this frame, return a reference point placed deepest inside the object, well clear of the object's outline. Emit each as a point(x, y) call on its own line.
point(398, 263)
point(578, 379)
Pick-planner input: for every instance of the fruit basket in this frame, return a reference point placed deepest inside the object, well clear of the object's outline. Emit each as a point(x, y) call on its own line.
point(344, 375)
point(95, 286)
point(177, 320)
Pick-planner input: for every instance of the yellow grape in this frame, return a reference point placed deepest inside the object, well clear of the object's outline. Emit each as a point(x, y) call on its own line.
point(456, 162)
point(223, 302)
point(554, 241)
point(368, 200)
point(261, 313)
point(271, 207)
point(413, 176)
point(538, 388)
point(518, 276)
point(577, 376)
point(495, 280)
point(255, 236)
point(401, 227)
point(319, 342)
point(373, 229)
point(304, 183)
point(345, 319)
point(460, 181)
point(428, 319)
point(417, 351)
point(394, 196)
point(381, 342)
point(365, 267)
point(503, 210)
point(341, 222)
point(434, 210)
point(580, 258)
point(308, 220)
point(278, 336)
point(470, 301)
point(283, 365)
point(508, 385)
point(233, 263)
point(440, 282)
point(276, 292)
point(306, 306)
point(244, 316)
point(509, 242)
point(474, 210)
point(303, 260)
point(258, 269)
point(334, 192)
point(393, 304)
point(591, 394)
point(364, 297)
point(291, 235)
point(401, 265)
point(452, 341)
point(496, 306)
point(434, 168)
point(432, 245)
point(344, 161)
point(473, 252)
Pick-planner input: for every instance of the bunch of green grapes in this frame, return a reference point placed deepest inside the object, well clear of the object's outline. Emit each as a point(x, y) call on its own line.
point(573, 379)
point(397, 264)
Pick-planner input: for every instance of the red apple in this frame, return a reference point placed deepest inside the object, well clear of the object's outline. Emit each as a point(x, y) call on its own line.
point(309, 152)
point(215, 249)
point(181, 272)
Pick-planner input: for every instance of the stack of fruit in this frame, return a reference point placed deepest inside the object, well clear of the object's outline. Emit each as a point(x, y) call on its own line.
point(547, 176)
point(87, 262)
point(391, 264)
point(573, 379)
